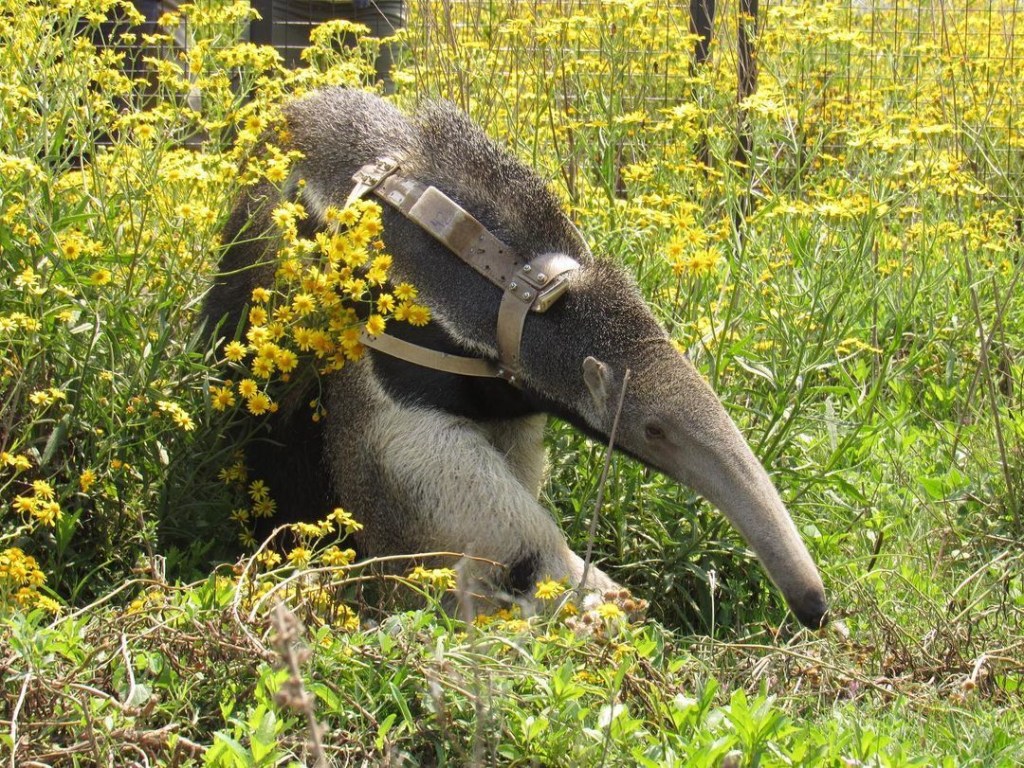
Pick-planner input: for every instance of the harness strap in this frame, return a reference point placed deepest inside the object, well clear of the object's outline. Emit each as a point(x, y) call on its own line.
point(430, 358)
point(452, 225)
point(536, 287)
point(527, 286)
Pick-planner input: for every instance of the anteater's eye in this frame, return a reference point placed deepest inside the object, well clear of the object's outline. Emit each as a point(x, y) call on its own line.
point(654, 432)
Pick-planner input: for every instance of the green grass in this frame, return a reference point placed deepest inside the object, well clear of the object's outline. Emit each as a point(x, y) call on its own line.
point(851, 290)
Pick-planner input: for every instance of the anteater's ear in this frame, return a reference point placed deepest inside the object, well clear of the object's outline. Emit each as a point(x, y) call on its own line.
point(598, 377)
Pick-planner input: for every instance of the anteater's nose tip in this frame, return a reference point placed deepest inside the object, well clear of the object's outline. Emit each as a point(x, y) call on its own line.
point(812, 611)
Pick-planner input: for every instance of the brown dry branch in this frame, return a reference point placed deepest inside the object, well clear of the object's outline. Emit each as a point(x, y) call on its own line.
point(293, 693)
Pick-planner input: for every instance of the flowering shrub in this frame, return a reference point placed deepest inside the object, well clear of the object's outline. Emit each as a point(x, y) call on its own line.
point(118, 164)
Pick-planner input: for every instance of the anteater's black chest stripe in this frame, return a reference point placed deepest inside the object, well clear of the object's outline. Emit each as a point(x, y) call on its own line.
point(480, 399)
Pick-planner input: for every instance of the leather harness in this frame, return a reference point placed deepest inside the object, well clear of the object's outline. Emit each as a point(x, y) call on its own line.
point(527, 286)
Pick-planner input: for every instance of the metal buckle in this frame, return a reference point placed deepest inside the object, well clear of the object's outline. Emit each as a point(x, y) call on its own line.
point(551, 293)
point(369, 177)
point(542, 282)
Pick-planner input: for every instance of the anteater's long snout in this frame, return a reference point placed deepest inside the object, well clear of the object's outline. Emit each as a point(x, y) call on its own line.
point(730, 477)
point(703, 448)
point(811, 609)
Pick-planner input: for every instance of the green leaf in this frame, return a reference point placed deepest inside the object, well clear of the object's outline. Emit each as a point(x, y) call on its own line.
point(383, 729)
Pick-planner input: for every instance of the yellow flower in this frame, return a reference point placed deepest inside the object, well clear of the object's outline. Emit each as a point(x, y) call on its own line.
point(375, 325)
point(264, 508)
point(259, 404)
point(283, 217)
point(184, 421)
point(303, 304)
point(222, 398)
point(675, 249)
point(322, 343)
point(704, 261)
point(303, 338)
point(405, 292)
point(24, 504)
point(240, 515)
point(336, 557)
point(609, 611)
point(355, 288)
point(417, 314)
point(47, 512)
point(177, 414)
point(263, 367)
point(86, 480)
point(234, 351)
point(347, 216)
point(42, 489)
point(41, 397)
point(344, 520)
point(346, 619)
point(268, 559)
point(258, 490)
point(27, 279)
point(260, 295)
point(286, 360)
point(234, 473)
point(306, 530)
point(299, 557)
point(48, 604)
point(100, 277)
point(248, 388)
point(548, 590)
point(277, 171)
point(257, 335)
point(441, 578)
point(257, 316)
point(19, 461)
point(371, 225)
point(375, 276)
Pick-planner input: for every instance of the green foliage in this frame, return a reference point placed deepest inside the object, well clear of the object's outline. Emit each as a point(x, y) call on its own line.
point(850, 287)
point(117, 174)
point(189, 680)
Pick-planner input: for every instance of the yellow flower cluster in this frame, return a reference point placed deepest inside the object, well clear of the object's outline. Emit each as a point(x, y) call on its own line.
point(20, 580)
point(604, 619)
point(153, 599)
point(840, 148)
point(19, 461)
point(441, 579)
point(18, 320)
point(45, 397)
point(262, 503)
point(177, 414)
point(107, 244)
point(338, 522)
point(336, 557)
point(325, 292)
point(40, 505)
point(504, 620)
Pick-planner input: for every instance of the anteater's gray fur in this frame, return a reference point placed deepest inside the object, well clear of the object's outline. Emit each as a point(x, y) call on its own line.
point(430, 461)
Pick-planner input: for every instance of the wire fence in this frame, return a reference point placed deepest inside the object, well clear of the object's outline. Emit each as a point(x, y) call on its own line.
point(945, 69)
point(946, 73)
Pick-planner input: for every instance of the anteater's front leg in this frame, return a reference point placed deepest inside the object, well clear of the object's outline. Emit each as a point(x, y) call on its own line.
point(431, 482)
